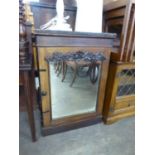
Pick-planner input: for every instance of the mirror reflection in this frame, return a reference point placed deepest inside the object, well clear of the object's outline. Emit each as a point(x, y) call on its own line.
point(74, 84)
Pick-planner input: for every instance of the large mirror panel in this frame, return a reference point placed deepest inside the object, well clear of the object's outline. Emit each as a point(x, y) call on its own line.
point(74, 86)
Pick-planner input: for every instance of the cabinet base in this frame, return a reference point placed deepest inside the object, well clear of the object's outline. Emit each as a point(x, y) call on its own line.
point(115, 118)
point(61, 128)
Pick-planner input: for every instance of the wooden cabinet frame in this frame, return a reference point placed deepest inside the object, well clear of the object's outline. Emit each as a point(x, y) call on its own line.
point(46, 44)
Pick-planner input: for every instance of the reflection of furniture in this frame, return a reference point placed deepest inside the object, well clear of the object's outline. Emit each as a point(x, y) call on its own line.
point(119, 100)
point(77, 65)
point(48, 42)
point(77, 61)
point(25, 67)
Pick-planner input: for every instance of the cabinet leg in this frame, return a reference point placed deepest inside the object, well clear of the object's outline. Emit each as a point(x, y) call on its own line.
point(29, 104)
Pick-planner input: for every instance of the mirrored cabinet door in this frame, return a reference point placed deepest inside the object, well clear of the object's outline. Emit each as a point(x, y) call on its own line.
point(74, 86)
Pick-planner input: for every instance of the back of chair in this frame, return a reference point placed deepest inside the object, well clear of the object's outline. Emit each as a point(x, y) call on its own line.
point(127, 41)
point(119, 17)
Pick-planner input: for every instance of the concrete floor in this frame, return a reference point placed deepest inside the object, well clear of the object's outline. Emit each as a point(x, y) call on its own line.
point(99, 139)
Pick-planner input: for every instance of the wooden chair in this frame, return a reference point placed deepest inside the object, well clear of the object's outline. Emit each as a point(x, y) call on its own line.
point(119, 17)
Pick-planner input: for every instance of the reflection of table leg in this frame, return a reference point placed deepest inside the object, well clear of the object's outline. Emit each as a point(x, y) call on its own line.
point(94, 71)
point(57, 66)
point(29, 104)
point(75, 73)
point(60, 68)
point(64, 71)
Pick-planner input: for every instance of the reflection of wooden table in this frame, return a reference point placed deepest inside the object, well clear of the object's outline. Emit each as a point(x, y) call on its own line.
point(77, 61)
point(75, 65)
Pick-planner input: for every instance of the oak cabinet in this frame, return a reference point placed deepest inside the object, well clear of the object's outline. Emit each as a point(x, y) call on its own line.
point(120, 92)
point(66, 106)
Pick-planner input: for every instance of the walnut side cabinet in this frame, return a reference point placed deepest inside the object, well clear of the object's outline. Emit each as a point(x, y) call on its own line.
point(47, 42)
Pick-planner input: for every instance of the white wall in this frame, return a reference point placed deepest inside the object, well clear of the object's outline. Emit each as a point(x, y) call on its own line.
point(27, 1)
point(108, 1)
point(89, 16)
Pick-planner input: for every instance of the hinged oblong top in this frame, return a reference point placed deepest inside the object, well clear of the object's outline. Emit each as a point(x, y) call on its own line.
point(47, 38)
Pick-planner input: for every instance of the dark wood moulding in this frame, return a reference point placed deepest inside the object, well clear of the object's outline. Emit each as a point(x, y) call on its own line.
point(47, 38)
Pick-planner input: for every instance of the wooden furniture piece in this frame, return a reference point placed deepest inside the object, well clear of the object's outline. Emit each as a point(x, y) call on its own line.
point(119, 100)
point(48, 42)
point(119, 17)
point(120, 95)
point(26, 73)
